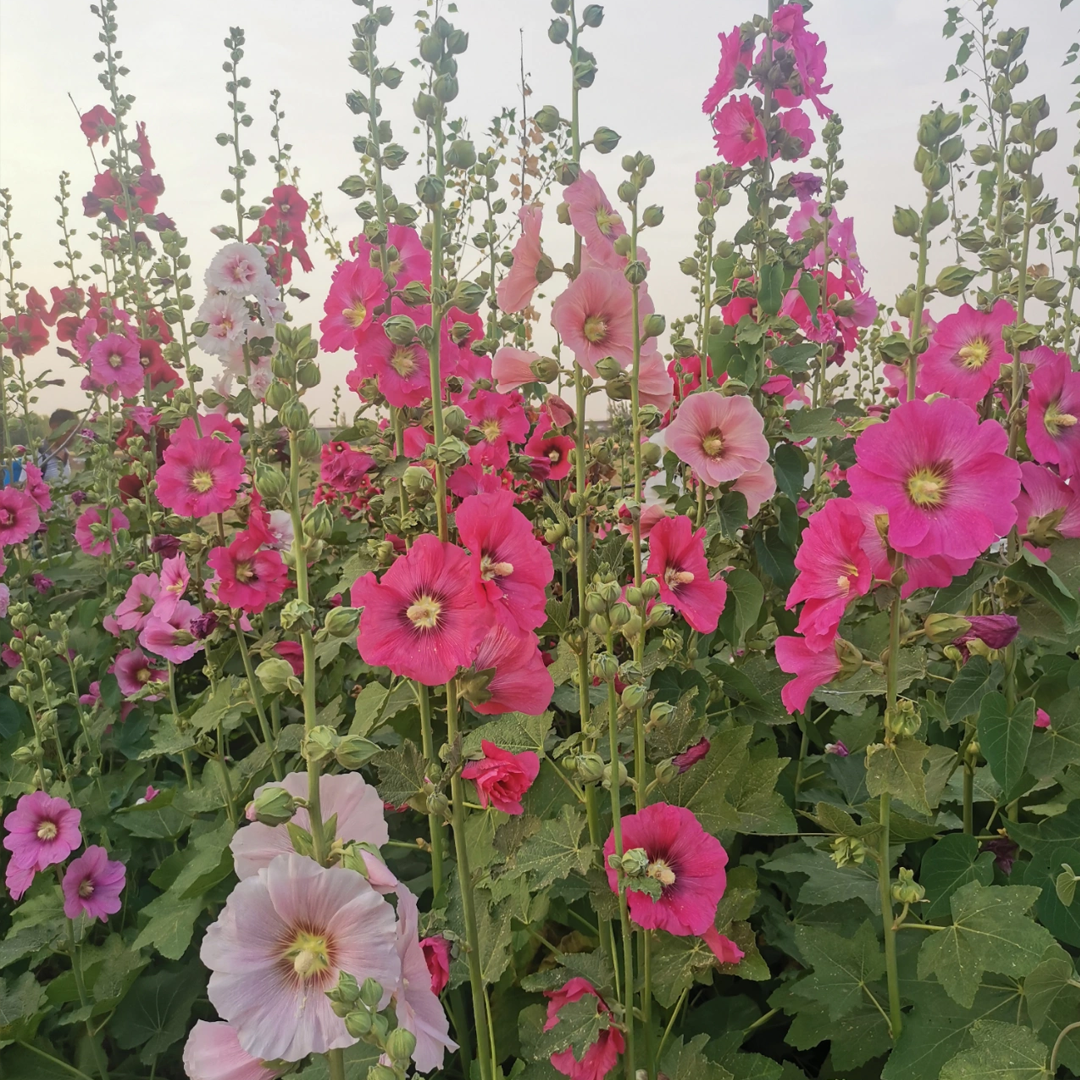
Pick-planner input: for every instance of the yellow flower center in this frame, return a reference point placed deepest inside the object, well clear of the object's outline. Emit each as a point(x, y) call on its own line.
point(606, 220)
point(424, 614)
point(202, 481)
point(675, 577)
point(403, 361)
point(310, 955)
point(356, 314)
point(115, 361)
point(142, 675)
point(713, 444)
point(245, 572)
point(224, 327)
point(974, 354)
point(86, 889)
point(926, 488)
point(47, 830)
point(661, 872)
point(843, 582)
point(1056, 421)
point(491, 430)
point(490, 569)
point(595, 329)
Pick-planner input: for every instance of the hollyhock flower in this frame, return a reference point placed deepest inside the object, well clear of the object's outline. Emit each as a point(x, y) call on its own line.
point(427, 616)
point(733, 54)
point(85, 538)
point(5, 600)
point(594, 219)
point(239, 270)
point(677, 560)
point(942, 477)
point(1053, 434)
point(41, 831)
point(34, 485)
point(685, 372)
point(720, 438)
point(416, 1003)
point(92, 885)
point(134, 672)
point(408, 259)
point(437, 957)
point(172, 585)
point(344, 468)
point(602, 1056)
point(285, 215)
point(248, 577)
point(545, 444)
point(212, 1052)
point(811, 667)
point(837, 748)
point(1047, 507)
point(501, 777)
point(805, 185)
point(512, 565)
point(1004, 850)
point(292, 651)
point(594, 317)
point(41, 583)
point(174, 638)
point(139, 600)
point(757, 487)
point(402, 371)
point(278, 946)
point(26, 334)
point(994, 631)
point(515, 290)
point(512, 368)
point(355, 291)
point(655, 385)
point(162, 544)
point(966, 353)
point(201, 475)
point(472, 480)
point(19, 517)
point(501, 420)
point(740, 137)
point(92, 696)
point(797, 124)
point(809, 52)
point(1042, 719)
point(691, 755)
point(227, 320)
point(521, 681)
point(833, 570)
point(97, 123)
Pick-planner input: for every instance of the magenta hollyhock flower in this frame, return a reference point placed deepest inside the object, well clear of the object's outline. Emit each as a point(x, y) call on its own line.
point(356, 289)
point(719, 437)
point(201, 475)
point(501, 420)
point(515, 290)
point(240, 270)
point(212, 1052)
point(513, 566)
point(86, 539)
point(942, 477)
point(797, 124)
point(548, 447)
point(173, 583)
point(1047, 506)
point(601, 1056)
point(691, 755)
point(994, 631)
point(595, 220)
point(280, 943)
point(437, 957)
point(92, 696)
point(41, 831)
point(34, 485)
point(811, 667)
point(966, 353)
point(134, 672)
point(521, 681)
point(833, 570)
point(502, 777)
point(1042, 719)
point(115, 363)
point(92, 885)
point(402, 371)
point(837, 748)
point(1053, 410)
point(733, 54)
point(5, 600)
point(249, 578)
point(677, 561)
point(416, 1003)
point(809, 52)
point(740, 137)
point(512, 368)
point(96, 123)
point(139, 600)
point(757, 486)
point(173, 638)
point(594, 317)
point(427, 616)
point(805, 185)
point(407, 258)
point(19, 517)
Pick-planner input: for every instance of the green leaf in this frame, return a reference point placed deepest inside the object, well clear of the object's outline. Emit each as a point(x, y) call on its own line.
point(226, 705)
point(776, 558)
point(19, 1000)
point(855, 1038)
point(686, 1061)
point(814, 424)
point(826, 882)
point(743, 606)
point(1004, 739)
point(1042, 582)
point(155, 1013)
point(515, 732)
point(358, 1059)
point(401, 773)
point(556, 850)
point(1058, 746)
point(950, 864)
point(811, 293)
point(792, 358)
point(973, 682)
point(990, 932)
point(1060, 918)
point(171, 925)
point(789, 467)
point(580, 1024)
point(843, 967)
point(771, 288)
point(110, 968)
point(376, 704)
point(1053, 977)
point(1001, 1052)
point(899, 770)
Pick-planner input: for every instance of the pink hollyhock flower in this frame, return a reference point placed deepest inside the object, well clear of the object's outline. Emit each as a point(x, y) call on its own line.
point(92, 696)
point(942, 477)
point(515, 290)
point(227, 323)
point(278, 946)
point(546, 445)
point(501, 777)
point(92, 885)
point(402, 371)
point(239, 270)
point(809, 52)
point(41, 583)
point(35, 486)
point(501, 420)
point(797, 124)
point(603, 1055)
point(594, 317)
point(85, 538)
point(355, 291)
point(173, 638)
point(407, 258)
point(360, 818)
point(740, 137)
point(833, 570)
point(811, 667)
point(521, 681)
point(97, 123)
point(757, 487)
point(655, 385)
point(151, 794)
point(139, 600)
point(173, 583)
point(966, 353)
point(19, 517)
point(733, 55)
point(134, 672)
point(720, 438)
point(1053, 410)
point(472, 480)
point(427, 616)
point(512, 368)
point(201, 475)
point(677, 560)
point(212, 1052)
point(344, 468)
point(837, 748)
point(249, 578)
point(513, 566)
point(691, 755)
point(1042, 718)
point(5, 600)
point(595, 220)
point(416, 1004)
point(41, 831)
point(1046, 506)
point(292, 651)
point(437, 957)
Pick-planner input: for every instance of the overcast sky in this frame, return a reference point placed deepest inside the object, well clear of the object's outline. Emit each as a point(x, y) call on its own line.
point(887, 61)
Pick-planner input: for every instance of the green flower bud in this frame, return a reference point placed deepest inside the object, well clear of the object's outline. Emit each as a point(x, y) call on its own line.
point(1019, 161)
point(461, 154)
point(689, 267)
point(619, 615)
point(661, 615)
point(590, 768)
point(558, 31)
point(400, 1045)
point(654, 325)
point(319, 522)
point(425, 107)
point(294, 414)
point(1046, 289)
point(996, 259)
point(951, 149)
point(548, 119)
point(608, 368)
point(309, 443)
point(627, 191)
point(341, 622)
point(546, 369)
point(1046, 140)
point(400, 329)
point(906, 890)
point(457, 42)
point(941, 628)
point(634, 862)
point(198, 328)
point(354, 751)
point(446, 88)
point(347, 989)
point(666, 771)
point(953, 280)
point(273, 806)
point(904, 719)
point(358, 1024)
point(652, 216)
point(621, 776)
point(452, 452)
point(431, 48)
point(283, 365)
point(935, 176)
point(417, 481)
point(604, 666)
point(277, 393)
point(929, 135)
point(635, 272)
point(593, 15)
point(320, 744)
point(468, 296)
point(650, 587)
point(605, 140)
point(905, 222)
point(982, 155)
point(634, 696)
point(430, 190)
point(391, 77)
point(270, 482)
point(937, 213)
point(439, 805)
point(308, 374)
point(274, 674)
point(599, 625)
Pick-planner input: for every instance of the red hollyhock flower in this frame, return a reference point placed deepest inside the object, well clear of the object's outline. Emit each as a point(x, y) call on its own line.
point(26, 334)
point(547, 445)
point(501, 777)
point(602, 1056)
point(437, 957)
point(677, 560)
point(96, 124)
point(248, 578)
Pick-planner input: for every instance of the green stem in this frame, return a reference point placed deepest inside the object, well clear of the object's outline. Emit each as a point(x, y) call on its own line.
point(434, 822)
point(885, 862)
point(969, 796)
point(54, 1060)
point(920, 297)
point(84, 1001)
point(256, 695)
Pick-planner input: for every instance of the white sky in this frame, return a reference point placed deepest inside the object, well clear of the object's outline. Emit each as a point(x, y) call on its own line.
point(887, 61)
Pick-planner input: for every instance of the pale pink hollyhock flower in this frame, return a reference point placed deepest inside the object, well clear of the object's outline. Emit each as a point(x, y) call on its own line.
point(515, 290)
point(201, 474)
point(19, 517)
point(437, 957)
point(757, 486)
point(34, 486)
point(501, 420)
point(942, 477)
point(719, 437)
point(173, 583)
point(1048, 504)
point(502, 777)
point(5, 600)
point(521, 681)
point(1053, 432)
point(92, 885)
point(416, 1003)
point(139, 600)
point(594, 317)
point(426, 617)
point(41, 831)
point(1042, 718)
point(355, 291)
point(739, 136)
point(733, 53)
point(135, 672)
point(227, 323)
point(511, 368)
point(280, 943)
point(966, 353)
point(173, 638)
point(655, 385)
point(92, 516)
point(811, 667)
point(601, 1056)
point(595, 220)
point(833, 570)
point(359, 812)
point(239, 270)
point(212, 1052)
point(143, 417)
point(677, 561)
point(513, 566)
point(115, 364)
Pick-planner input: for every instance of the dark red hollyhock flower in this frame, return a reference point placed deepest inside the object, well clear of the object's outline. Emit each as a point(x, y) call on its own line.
point(1004, 850)
point(156, 366)
point(26, 334)
point(97, 124)
point(286, 214)
point(142, 146)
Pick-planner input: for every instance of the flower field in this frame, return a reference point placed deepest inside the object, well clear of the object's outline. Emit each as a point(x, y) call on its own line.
point(589, 690)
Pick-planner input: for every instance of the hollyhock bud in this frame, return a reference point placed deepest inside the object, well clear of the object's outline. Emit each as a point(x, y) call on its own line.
point(274, 674)
point(904, 719)
point(621, 776)
point(941, 628)
point(319, 522)
point(604, 665)
point(400, 1045)
point(905, 222)
point(951, 149)
point(605, 140)
point(935, 176)
point(994, 631)
point(937, 213)
point(634, 696)
point(1047, 289)
point(953, 280)
point(272, 806)
point(654, 325)
point(354, 751)
point(341, 622)
point(270, 482)
point(590, 768)
point(906, 890)
point(320, 744)
point(309, 444)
